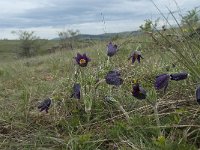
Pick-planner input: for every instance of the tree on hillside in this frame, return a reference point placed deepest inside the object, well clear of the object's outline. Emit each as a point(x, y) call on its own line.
point(149, 25)
point(191, 18)
point(67, 38)
point(29, 42)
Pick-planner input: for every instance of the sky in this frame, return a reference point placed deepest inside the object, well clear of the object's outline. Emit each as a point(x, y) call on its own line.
point(48, 17)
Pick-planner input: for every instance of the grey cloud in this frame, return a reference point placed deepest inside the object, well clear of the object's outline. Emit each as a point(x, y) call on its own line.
point(85, 13)
point(71, 12)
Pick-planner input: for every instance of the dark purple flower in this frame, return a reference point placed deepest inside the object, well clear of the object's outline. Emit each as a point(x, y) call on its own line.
point(114, 73)
point(178, 76)
point(45, 105)
point(162, 81)
point(198, 94)
point(76, 91)
point(111, 49)
point(113, 78)
point(135, 55)
point(139, 92)
point(82, 60)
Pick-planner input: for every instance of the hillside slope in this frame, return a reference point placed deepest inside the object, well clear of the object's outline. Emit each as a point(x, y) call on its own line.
point(119, 121)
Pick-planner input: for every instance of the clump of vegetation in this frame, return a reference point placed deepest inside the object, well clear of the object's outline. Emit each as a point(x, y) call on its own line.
point(67, 38)
point(29, 43)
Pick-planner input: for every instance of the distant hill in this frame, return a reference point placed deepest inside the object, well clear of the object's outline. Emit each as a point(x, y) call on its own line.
point(105, 35)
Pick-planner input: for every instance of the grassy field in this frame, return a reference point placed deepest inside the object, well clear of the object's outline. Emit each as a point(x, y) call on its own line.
point(9, 49)
point(167, 121)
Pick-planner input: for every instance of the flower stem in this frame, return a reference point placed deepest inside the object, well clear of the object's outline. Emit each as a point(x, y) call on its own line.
point(124, 112)
point(155, 108)
point(108, 61)
point(117, 104)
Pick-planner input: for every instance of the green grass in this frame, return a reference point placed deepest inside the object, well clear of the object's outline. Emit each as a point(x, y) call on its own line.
point(26, 82)
point(9, 49)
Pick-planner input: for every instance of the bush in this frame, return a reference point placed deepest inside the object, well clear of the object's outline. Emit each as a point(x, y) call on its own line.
point(29, 43)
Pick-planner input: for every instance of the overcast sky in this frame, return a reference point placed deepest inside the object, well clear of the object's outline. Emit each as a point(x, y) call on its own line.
point(48, 17)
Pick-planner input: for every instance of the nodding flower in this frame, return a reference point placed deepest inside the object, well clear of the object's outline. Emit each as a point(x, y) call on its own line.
point(179, 76)
point(82, 60)
point(162, 81)
point(111, 49)
point(113, 78)
point(45, 105)
point(138, 91)
point(135, 55)
point(76, 91)
point(198, 95)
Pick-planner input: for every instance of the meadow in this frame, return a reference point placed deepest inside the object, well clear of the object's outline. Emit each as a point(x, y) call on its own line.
point(105, 116)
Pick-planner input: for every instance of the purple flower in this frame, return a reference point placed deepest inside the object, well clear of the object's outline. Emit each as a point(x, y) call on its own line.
point(198, 94)
point(139, 92)
point(82, 60)
point(45, 105)
point(162, 81)
point(178, 76)
point(113, 78)
point(135, 55)
point(111, 49)
point(76, 91)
